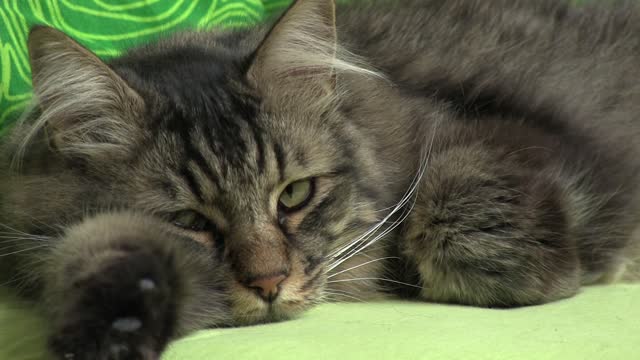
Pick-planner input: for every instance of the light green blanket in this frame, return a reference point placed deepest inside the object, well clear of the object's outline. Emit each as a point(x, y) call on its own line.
point(601, 323)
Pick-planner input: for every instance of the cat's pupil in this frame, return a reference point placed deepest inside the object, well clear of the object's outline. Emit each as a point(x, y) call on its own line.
point(218, 239)
point(190, 220)
point(199, 224)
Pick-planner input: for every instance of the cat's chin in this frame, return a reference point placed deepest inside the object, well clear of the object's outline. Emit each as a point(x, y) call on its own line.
point(268, 314)
point(249, 309)
point(299, 292)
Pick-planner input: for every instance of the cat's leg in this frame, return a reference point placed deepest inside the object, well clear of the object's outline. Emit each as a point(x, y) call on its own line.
point(488, 231)
point(120, 287)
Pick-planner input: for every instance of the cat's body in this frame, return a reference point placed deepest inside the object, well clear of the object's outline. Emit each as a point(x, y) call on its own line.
point(477, 152)
point(540, 106)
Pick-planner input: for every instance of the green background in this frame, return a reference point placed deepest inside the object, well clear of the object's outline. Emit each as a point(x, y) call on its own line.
point(106, 27)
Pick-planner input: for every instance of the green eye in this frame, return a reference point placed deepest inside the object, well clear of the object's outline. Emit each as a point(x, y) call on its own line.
point(190, 220)
point(296, 195)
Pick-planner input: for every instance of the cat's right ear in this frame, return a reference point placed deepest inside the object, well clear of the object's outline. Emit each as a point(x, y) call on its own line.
point(86, 108)
point(298, 55)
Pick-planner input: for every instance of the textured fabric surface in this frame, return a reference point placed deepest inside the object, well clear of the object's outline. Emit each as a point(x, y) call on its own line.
point(600, 323)
point(106, 27)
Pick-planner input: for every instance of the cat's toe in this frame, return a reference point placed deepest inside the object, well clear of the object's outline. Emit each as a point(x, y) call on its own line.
point(119, 351)
point(124, 311)
point(146, 284)
point(127, 324)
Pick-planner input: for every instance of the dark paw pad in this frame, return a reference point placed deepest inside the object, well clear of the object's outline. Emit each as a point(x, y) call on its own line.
point(123, 311)
point(125, 325)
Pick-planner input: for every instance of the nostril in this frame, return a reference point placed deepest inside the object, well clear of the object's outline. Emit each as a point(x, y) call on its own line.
point(268, 286)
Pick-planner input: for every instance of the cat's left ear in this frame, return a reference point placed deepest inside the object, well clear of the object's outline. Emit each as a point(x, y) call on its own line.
point(298, 55)
point(86, 108)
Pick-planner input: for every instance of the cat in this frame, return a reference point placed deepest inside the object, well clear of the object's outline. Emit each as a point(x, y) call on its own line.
point(462, 151)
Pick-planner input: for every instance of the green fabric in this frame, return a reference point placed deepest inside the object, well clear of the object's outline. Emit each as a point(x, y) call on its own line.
point(600, 323)
point(106, 27)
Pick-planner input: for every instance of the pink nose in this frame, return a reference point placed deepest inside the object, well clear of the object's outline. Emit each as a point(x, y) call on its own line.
point(267, 287)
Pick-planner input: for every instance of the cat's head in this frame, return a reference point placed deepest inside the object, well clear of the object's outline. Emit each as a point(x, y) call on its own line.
point(236, 138)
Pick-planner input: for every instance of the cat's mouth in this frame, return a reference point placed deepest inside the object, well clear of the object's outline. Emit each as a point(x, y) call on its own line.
point(272, 313)
point(298, 293)
point(249, 309)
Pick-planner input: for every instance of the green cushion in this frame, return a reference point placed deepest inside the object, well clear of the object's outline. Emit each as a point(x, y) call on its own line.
point(600, 323)
point(106, 27)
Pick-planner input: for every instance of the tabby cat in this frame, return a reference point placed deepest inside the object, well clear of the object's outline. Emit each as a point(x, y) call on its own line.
point(480, 152)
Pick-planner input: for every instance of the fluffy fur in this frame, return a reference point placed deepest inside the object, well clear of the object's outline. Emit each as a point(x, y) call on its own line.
point(475, 152)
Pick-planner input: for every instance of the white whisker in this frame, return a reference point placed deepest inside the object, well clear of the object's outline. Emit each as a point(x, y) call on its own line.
point(8, 239)
point(360, 265)
point(343, 294)
point(361, 243)
point(15, 231)
point(376, 279)
point(361, 246)
point(365, 245)
point(23, 250)
point(395, 208)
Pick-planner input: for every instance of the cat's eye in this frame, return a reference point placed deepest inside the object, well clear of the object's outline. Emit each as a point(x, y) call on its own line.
point(296, 195)
point(190, 220)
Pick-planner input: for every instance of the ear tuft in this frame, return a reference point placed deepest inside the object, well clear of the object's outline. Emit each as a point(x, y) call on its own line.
point(85, 106)
point(300, 50)
point(301, 58)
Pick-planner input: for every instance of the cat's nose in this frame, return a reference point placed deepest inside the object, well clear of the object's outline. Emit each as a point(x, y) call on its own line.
point(268, 286)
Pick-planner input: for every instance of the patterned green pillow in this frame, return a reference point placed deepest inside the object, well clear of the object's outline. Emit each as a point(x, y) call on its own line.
point(106, 27)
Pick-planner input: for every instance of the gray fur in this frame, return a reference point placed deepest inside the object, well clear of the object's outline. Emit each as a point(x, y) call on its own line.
point(476, 152)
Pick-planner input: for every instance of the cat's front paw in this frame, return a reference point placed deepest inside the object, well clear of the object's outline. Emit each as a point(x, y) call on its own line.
point(487, 231)
point(125, 309)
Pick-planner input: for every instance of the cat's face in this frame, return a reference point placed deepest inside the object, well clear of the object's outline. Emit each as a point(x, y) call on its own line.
point(244, 150)
point(272, 193)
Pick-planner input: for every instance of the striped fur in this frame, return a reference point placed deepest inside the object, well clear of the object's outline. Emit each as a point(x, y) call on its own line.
point(475, 152)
